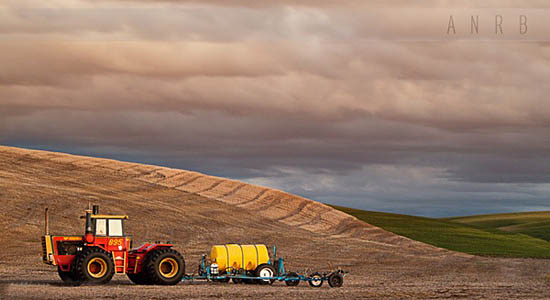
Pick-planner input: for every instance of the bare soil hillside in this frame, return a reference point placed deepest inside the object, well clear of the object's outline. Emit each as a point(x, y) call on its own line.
point(195, 210)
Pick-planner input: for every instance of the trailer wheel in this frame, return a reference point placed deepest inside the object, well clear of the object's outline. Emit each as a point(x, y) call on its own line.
point(165, 266)
point(68, 277)
point(265, 270)
point(222, 280)
point(237, 280)
point(93, 265)
point(292, 282)
point(316, 280)
point(335, 280)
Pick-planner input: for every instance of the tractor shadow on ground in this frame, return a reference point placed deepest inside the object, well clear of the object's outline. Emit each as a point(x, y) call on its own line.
point(31, 282)
point(53, 282)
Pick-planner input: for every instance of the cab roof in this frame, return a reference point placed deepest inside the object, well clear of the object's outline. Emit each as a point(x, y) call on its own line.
point(109, 217)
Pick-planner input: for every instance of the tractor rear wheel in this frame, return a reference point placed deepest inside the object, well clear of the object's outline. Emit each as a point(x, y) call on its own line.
point(165, 266)
point(292, 282)
point(265, 270)
point(139, 278)
point(94, 265)
point(68, 277)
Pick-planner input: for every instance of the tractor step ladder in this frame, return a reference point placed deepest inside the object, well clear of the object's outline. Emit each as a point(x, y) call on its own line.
point(120, 262)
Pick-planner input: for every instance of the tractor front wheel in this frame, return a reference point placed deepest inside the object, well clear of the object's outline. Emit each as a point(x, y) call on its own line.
point(68, 277)
point(94, 265)
point(165, 266)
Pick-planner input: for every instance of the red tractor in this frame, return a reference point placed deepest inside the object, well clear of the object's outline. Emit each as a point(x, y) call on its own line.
point(105, 250)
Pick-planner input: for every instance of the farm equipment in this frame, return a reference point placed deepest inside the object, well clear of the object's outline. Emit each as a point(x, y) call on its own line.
point(251, 264)
point(104, 250)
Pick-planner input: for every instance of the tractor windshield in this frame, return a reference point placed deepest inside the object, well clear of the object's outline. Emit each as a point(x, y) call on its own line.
point(115, 227)
point(108, 227)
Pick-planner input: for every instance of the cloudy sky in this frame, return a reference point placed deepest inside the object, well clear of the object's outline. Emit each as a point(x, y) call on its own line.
point(367, 104)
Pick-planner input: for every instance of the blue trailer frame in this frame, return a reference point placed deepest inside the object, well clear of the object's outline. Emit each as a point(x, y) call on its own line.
point(316, 279)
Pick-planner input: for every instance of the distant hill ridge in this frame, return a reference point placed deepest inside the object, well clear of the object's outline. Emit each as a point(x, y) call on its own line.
point(505, 235)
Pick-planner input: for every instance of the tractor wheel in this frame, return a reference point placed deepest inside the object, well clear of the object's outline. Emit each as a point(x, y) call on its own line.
point(68, 277)
point(165, 266)
point(139, 278)
point(94, 265)
point(316, 280)
point(292, 282)
point(265, 270)
point(335, 280)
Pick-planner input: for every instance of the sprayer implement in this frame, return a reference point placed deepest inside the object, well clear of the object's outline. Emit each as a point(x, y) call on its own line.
point(250, 264)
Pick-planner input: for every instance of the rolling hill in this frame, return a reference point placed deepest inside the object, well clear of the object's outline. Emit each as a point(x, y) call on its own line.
point(506, 235)
point(195, 211)
point(535, 224)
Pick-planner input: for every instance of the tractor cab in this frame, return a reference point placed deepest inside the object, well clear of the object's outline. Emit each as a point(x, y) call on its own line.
point(106, 230)
point(106, 225)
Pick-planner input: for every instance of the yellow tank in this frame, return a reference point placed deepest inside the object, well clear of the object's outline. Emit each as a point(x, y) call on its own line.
point(237, 256)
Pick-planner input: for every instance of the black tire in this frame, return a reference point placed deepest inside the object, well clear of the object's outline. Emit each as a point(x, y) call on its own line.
point(249, 274)
point(335, 280)
point(292, 282)
point(93, 265)
point(68, 277)
point(265, 270)
point(225, 280)
point(316, 280)
point(222, 280)
point(164, 266)
point(139, 278)
point(237, 280)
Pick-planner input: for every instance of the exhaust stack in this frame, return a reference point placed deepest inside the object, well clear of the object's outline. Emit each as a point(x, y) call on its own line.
point(88, 221)
point(46, 225)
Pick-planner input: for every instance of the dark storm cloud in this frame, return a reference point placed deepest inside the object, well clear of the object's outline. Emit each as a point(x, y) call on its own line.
point(324, 100)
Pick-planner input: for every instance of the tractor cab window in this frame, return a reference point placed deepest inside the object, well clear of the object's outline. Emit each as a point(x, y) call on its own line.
point(108, 226)
point(101, 227)
point(115, 227)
